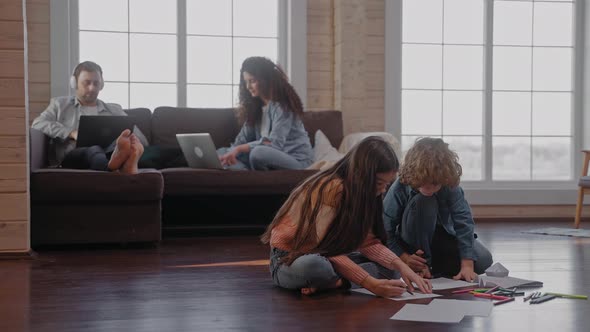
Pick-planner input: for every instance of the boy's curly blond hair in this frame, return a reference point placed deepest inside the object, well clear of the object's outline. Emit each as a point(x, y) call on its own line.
point(430, 161)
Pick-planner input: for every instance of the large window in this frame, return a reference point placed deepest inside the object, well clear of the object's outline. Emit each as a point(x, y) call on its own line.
point(175, 52)
point(494, 78)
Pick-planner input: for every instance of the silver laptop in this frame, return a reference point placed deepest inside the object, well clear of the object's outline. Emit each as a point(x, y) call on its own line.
point(199, 150)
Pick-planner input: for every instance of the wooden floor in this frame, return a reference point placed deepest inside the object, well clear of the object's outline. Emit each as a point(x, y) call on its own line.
point(220, 284)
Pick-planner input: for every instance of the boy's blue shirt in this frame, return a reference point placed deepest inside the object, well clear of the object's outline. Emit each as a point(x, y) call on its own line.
point(454, 214)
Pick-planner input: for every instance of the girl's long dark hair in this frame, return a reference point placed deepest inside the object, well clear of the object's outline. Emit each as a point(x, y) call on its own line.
point(359, 210)
point(273, 84)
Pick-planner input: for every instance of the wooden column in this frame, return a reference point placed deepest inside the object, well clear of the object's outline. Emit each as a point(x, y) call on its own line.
point(14, 192)
point(359, 35)
point(320, 54)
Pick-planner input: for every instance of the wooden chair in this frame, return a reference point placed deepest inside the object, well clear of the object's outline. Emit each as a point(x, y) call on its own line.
point(584, 189)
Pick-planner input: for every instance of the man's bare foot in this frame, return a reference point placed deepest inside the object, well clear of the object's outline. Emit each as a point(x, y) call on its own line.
point(122, 151)
point(130, 165)
point(312, 290)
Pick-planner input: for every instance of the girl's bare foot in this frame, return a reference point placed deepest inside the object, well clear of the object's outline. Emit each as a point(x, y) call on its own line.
point(130, 165)
point(122, 151)
point(312, 290)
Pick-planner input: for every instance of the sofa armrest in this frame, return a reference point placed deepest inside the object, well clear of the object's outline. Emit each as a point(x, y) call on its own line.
point(39, 145)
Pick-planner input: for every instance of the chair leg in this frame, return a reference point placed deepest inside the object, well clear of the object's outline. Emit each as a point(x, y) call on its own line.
point(579, 207)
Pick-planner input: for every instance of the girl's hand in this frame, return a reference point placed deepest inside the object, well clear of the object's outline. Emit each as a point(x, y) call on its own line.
point(466, 272)
point(229, 158)
point(410, 278)
point(384, 287)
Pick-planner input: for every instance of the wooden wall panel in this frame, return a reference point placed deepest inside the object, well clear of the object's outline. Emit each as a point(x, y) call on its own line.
point(38, 11)
point(38, 20)
point(12, 92)
point(11, 63)
point(13, 236)
point(320, 55)
point(359, 63)
point(13, 178)
point(11, 10)
point(39, 72)
point(14, 198)
point(12, 35)
point(12, 120)
point(14, 207)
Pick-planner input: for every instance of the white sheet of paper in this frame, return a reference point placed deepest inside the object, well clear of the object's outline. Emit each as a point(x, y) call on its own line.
point(508, 282)
point(405, 296)
point(467, 308)
point(427, 313)
point(445, 283)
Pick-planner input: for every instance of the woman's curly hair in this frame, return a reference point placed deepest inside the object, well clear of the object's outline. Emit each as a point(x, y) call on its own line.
point(430, 161)
point(273, 84)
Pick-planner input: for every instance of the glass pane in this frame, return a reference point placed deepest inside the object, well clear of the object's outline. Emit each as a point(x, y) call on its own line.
point(463, 21)
point(152, 16)
point(92, 15)
point(552, 113)
point(247, 47)
point(206, 17)
point(215, 96)
point(512, 68)
point(553, 24)
point(109, 51)
point(418, 106)
point(209, 60)
point(153, 95)
point(236, 94)
point(552, 69)
point(511, 113)
point(463, 67)
point(422, 21)
point(462, 113)
point(256, 18)
point(552, 158)
point(153, 64)
point(513, 22)
point(512, 158)
point(470, 154)
point(421, 66)
point(117, 93)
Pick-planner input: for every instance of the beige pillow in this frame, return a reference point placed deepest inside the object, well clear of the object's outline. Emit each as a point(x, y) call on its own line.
point(351, 139)
point(323, 149)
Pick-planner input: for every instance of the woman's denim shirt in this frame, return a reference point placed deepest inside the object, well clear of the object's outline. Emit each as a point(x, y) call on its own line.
point(286, 133)
point(454, 214)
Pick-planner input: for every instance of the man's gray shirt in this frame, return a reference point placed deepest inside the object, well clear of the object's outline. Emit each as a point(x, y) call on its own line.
point(62, 116)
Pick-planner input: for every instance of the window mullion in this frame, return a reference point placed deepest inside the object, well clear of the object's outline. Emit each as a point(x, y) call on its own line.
point(488, 93)
point(578, 87)
point(181, 56)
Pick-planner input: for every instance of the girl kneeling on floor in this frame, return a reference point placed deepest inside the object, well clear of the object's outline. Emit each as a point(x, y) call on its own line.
point(329, 233)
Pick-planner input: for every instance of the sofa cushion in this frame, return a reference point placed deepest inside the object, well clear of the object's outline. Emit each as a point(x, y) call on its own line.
point(143, 117)
point(329, 122)
point(221, 123)
point(190, 181)
point(87, 185)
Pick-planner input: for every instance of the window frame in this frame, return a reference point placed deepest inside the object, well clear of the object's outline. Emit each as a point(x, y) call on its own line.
point(292, 45)
point(488, 191)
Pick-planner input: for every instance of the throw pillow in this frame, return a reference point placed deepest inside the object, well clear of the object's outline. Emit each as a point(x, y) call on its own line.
point(323, 149)
point(351, 139)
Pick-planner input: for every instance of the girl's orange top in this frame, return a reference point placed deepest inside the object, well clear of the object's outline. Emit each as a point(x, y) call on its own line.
point(372, 248)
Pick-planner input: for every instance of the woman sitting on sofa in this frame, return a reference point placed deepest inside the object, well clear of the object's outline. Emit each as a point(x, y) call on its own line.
point(273, 136)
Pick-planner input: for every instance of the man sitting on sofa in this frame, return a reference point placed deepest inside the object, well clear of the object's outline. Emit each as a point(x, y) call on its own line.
point(60, 122)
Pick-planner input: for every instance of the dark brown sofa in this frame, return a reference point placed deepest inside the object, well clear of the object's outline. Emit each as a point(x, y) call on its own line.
point(72, 206)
